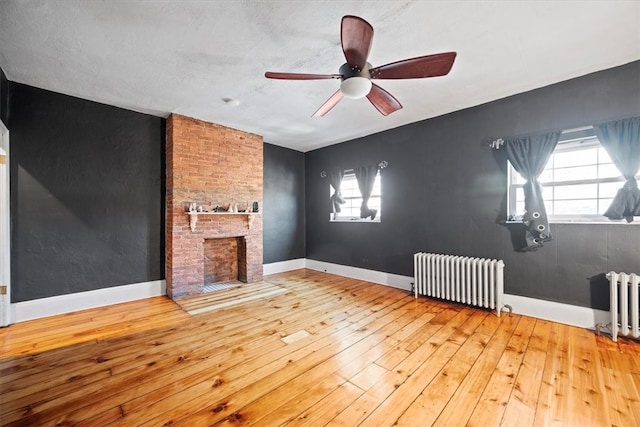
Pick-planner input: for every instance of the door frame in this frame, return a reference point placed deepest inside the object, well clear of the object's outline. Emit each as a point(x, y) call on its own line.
point(5, 233)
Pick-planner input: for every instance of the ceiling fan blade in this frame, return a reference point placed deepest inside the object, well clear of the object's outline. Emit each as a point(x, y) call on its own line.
point(383, 100)
point(300, 76)
point(415, 68)
point(356, 35)
point(329, 104)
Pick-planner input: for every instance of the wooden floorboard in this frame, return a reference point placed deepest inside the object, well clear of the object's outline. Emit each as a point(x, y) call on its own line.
point(326, 350)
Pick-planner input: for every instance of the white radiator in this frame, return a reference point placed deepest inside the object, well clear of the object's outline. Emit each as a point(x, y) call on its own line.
point(473, 281)
point(624, 305)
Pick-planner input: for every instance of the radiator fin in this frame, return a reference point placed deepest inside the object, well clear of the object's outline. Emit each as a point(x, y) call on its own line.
point(467, 280)
point(624, 307)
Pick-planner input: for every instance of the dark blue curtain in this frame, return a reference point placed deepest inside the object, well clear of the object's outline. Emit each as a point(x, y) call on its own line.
point(621, 139)
point(529, 155)
point(366, 177)
point(335, 180)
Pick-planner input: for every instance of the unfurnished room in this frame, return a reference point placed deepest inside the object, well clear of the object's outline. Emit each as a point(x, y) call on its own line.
point(319, 213)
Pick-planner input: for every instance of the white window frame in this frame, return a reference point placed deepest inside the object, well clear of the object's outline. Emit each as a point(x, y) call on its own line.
point(566, 144)
point(355, 198)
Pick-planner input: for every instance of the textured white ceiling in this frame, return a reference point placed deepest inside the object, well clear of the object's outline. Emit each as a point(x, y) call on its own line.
point(182, 56)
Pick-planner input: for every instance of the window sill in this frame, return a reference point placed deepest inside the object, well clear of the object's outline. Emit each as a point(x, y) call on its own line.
point(594, 222)
point(356, 220)
point(585, 222)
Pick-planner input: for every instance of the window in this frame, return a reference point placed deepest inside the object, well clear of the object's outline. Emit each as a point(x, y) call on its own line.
point(578, 183)
point(353, 199)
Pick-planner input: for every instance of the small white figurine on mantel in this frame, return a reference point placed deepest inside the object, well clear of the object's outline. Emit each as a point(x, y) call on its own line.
point(230, 208)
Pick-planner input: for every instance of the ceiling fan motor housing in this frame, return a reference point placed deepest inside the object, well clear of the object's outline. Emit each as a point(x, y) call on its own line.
point(356, 83)
point(347, 71)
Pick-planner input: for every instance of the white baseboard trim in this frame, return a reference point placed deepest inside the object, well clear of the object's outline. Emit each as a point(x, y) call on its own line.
point(45, 307)
point(382, 278)
point(281, 267)
point(567, 314)
point(573, 315)
point(548, 310)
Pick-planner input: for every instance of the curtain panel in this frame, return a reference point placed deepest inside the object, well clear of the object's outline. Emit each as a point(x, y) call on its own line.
point(336, 199)
point(528, 155)
point(621, 139)
point(366, 177)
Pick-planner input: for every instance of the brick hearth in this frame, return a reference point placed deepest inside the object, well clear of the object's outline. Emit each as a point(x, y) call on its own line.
point(211, 165)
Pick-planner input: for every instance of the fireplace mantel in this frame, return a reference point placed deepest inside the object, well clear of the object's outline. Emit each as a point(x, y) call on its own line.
point(210, 165)
point(193, 217)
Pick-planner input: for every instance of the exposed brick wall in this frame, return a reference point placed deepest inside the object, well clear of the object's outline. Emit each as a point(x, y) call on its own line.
point(221, 260)
point(210, 165)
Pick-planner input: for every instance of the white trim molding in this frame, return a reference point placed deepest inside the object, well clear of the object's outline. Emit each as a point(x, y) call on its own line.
point(568, 314)
point(5, 229)
point(281, 267)
point(380, 277)
point(61, 304)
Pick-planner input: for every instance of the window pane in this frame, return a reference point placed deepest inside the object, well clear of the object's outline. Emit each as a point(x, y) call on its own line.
point(575, 207)
point(572, 181)
point(609, 189)
point(349, 186)
point(603, 155)
point(353, 200)
point(549, 206)
point(609, 170)
point(576, 173)
point(546, 176)
point(376, 187)
point(576, 157)
point(349, 208)
point(582, 191)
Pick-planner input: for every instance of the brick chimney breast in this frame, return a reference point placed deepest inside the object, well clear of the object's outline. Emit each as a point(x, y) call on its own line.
point(212, 166)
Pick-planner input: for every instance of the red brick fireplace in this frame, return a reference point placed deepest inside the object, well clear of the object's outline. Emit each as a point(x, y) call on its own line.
point(211, 165)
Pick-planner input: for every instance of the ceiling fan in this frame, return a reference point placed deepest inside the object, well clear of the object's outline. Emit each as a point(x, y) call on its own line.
point(356, 74)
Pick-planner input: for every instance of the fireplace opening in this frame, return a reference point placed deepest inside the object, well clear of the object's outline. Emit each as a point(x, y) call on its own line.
point(224, 260)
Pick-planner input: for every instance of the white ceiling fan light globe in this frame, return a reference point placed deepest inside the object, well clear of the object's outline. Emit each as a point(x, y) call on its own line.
point(355, 87)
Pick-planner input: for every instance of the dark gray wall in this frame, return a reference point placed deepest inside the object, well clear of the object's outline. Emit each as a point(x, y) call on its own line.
point(444, 192)
point(87, 194)
point(283, 204)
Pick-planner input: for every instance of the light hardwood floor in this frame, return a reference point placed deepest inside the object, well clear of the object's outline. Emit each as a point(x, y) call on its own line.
point(354, 353)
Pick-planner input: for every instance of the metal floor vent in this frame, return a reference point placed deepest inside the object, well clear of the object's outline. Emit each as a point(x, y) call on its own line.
point(212, 287)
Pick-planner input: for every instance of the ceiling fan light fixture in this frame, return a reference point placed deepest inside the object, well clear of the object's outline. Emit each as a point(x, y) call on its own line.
point(355, 87)
point(356, 74)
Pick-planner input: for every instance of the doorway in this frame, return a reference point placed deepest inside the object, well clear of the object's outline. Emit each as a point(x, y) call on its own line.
point(5, 229)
